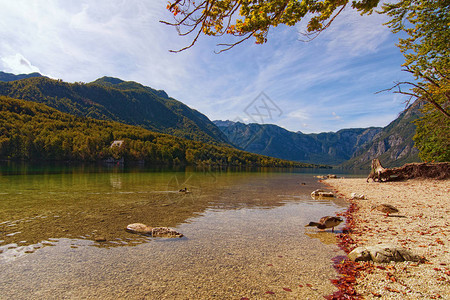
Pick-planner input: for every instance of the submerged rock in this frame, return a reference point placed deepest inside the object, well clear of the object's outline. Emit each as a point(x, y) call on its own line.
point(152, 231)
point(383, 253)
point(321, 193)
point(139, 228)
point(165, 232)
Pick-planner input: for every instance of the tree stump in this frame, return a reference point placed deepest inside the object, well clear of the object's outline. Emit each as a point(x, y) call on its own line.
point(409, 171)
point(377, 170)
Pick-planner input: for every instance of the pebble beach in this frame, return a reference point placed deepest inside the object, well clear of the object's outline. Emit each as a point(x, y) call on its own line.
point(422, 226)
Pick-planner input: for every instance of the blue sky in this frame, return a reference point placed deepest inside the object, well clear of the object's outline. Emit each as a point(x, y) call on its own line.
point(324, 85)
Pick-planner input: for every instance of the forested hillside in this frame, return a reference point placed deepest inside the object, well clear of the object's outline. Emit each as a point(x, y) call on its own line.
point(116, 100)
point(33, 131)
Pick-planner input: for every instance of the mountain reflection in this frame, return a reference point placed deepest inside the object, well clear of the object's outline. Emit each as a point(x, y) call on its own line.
point(98, 206)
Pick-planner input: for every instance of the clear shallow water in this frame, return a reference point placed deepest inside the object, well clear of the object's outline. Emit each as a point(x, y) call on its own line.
point(244, 235)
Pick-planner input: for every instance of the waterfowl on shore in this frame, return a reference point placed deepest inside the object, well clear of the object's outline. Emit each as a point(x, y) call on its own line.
point(185, 190)
point(326, 222)
point(385, 208)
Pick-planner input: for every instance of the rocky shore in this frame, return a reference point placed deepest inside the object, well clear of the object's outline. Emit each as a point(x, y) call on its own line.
point(422, 226)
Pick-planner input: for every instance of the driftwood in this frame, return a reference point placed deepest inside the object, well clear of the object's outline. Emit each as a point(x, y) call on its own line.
point(409, 171)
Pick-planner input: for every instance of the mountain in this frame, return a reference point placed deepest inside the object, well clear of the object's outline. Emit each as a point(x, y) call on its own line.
point(34, 131)
point(325, 148)
point(393, 145)
point(348, 148)
point(11, 77)
point(113, 99)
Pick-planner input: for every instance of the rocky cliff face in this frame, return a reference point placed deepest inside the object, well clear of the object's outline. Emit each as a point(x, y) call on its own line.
point(324, 148)
point(348, 148)
point(393, 145)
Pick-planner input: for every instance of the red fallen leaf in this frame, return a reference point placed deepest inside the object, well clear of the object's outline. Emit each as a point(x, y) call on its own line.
point(376, 294)
point(287, 289)
point(244, 298)
point(280, 256)
point(270, 265)
point(381, 267)
point(269, 292)
point(391, 289)
point(441, 279)
point(447, 273)
point(300, 285)
point(350, 279)
point(437, 269)
point(309, 285)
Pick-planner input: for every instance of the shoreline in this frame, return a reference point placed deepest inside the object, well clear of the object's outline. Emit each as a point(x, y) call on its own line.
point(421, 226)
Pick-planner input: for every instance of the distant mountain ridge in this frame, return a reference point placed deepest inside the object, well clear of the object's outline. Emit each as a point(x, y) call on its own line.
point(324, 148)
point(11, 77)
point(113, 99)
point(347, 148)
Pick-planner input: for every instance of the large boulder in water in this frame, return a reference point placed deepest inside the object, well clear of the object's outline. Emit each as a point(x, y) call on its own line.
point(152, 231)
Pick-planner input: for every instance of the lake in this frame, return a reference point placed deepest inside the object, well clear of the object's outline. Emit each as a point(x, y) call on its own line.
point(62, 234)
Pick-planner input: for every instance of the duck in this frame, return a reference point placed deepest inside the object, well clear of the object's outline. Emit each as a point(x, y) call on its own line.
point(185, 190)
point(326, 222)
point(385, 208)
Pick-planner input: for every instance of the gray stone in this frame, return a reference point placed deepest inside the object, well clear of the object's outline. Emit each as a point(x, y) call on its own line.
point(360, 254)
point(321, 193)
point(358, 196)
point(382, 253)
point(165, 232)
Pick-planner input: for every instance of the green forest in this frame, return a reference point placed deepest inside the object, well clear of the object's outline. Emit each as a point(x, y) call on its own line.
point(112, 99)
point(34, 131)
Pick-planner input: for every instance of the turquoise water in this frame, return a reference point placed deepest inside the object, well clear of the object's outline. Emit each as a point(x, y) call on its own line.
point(62, 234)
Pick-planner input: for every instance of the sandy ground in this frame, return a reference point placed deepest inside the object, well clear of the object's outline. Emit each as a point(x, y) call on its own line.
point(422, 226)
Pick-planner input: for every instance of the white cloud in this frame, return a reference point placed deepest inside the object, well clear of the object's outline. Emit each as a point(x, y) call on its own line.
point(300, 114)
point(335, 116)
point(18, 64)
point(338, 73)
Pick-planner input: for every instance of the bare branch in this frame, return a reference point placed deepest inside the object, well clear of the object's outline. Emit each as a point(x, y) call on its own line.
point(427, 96)
point(229, 46)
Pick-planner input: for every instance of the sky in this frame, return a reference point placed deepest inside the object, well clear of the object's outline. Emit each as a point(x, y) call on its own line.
point(328, 84)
